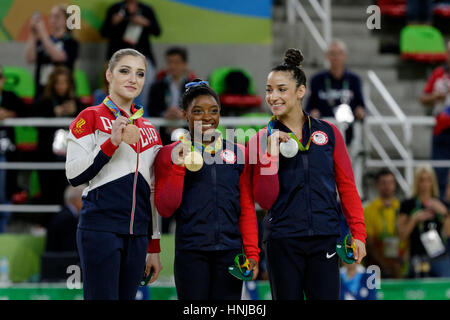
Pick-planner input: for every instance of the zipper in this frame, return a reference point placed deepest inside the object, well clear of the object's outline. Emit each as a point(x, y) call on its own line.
point(134, 187)
point(308, 193)
point(214, 181)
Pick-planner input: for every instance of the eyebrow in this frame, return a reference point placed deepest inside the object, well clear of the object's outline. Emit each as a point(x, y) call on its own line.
point(124, 65)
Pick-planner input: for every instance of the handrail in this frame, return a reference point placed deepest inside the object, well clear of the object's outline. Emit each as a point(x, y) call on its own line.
point(324, 13)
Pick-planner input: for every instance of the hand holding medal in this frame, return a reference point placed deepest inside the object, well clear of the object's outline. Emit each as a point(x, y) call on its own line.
point(130, 132)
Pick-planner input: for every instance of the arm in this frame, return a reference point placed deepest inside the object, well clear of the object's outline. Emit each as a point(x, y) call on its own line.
point(405, 226)
point(345, 181)
point(247, 220)
point(57, 55)
point(84, 158)
point(265, 171)
point(430, 96)
point(153, 26)
point(169, 182)
point(30, 50)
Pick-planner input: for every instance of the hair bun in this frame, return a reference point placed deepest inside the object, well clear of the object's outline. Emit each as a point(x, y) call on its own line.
point(293, 57)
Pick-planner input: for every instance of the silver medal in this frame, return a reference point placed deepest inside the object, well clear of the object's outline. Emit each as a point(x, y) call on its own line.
point(289, 149)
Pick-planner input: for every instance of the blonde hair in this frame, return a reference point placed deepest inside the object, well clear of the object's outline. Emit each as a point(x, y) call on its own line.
point(119, 54)
point(428, 169)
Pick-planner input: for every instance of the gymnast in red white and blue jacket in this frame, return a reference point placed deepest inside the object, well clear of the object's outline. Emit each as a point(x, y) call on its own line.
point(298, 188)
point(117, 218)
point(214, 208)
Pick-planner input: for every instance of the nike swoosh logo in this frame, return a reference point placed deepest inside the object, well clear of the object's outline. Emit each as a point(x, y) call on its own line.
point(330, 255)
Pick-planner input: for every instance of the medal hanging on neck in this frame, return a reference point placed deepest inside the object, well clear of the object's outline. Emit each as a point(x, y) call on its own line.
point(290, 148)
point(131, 132)
point(193, 161)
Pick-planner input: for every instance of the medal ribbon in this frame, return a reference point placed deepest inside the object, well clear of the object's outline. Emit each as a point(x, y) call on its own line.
point(217, 145)
point(116, 112)
point(301, 147)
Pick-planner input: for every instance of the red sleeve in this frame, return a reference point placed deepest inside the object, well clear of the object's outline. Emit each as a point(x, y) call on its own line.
point(437, 73)
point(265, 171)
point(345, 181)
point(247, 221)
point(153, 246)
point(169, 182)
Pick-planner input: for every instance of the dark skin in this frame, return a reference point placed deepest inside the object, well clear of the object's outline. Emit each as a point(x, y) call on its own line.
point(203, 117)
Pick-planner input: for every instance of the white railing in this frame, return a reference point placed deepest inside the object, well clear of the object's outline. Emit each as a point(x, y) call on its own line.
point(294, 7)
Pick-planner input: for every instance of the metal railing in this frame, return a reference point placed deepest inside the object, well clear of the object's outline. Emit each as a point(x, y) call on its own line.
point(294, 7)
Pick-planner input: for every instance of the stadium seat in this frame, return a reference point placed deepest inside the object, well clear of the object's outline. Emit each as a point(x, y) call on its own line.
point(235, 89)
point(20, 81)
point(422, 43)
point(392, 8)
point(82, 89)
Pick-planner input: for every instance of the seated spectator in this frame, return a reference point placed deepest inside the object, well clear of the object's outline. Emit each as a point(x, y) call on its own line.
point(50, 48)
point(62, 229)
point(383, 246)
point(354, 283)
point(58, 101)
point(336, 86)
point(436, 98)
point(10, 107)
point(165, 93)
point(422, 220)
point(129, 24)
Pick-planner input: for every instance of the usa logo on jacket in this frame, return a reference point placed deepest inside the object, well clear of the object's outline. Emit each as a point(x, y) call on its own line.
point(320, 138)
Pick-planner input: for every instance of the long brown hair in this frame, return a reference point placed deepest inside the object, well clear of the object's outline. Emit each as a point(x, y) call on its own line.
point(49, 91)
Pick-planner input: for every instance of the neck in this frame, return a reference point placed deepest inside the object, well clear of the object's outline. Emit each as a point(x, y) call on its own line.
point(387, 200)
point(122, 103)
point(294, 119)
point(424, 196)
point(337, 72)
point(59, 33)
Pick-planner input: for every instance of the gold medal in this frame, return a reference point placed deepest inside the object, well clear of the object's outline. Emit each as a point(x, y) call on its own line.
point(193, 161)
point(131, 134)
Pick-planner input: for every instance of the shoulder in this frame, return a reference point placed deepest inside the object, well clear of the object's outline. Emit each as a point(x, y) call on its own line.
point(352, 75)
point(318, 76)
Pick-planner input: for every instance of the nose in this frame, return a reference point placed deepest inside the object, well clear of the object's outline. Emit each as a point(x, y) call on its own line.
point(132, 78)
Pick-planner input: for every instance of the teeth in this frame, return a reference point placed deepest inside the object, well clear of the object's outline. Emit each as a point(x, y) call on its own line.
point(207, 125)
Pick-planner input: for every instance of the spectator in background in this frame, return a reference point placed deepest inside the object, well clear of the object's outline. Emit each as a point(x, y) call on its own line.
point(436, 98)
point(129, 24)
point(354, 283)
point(10, 107)
point(383, 246)
point(50, 48)
point(101, 93)
point(422, 219)
point(419, 11)
point(62, 229)
point(58, 101)
point(336, 86)
point(165, 93)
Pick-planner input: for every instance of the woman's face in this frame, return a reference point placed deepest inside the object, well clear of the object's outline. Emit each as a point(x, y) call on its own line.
point(425, 183)
point(57, 20)
point(282, 94)
point(61, 85)
point(127, 78)
point(202, 114)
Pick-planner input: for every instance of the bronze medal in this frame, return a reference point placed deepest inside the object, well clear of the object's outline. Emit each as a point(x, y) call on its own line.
point(130, 134)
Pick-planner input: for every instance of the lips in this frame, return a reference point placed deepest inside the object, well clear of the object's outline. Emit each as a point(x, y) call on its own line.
point(130, 88)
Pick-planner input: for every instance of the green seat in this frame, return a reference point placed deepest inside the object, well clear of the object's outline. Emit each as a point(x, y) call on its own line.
point(217, 79)
point(82, 88)
point(422, 43)
point(20, 81)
